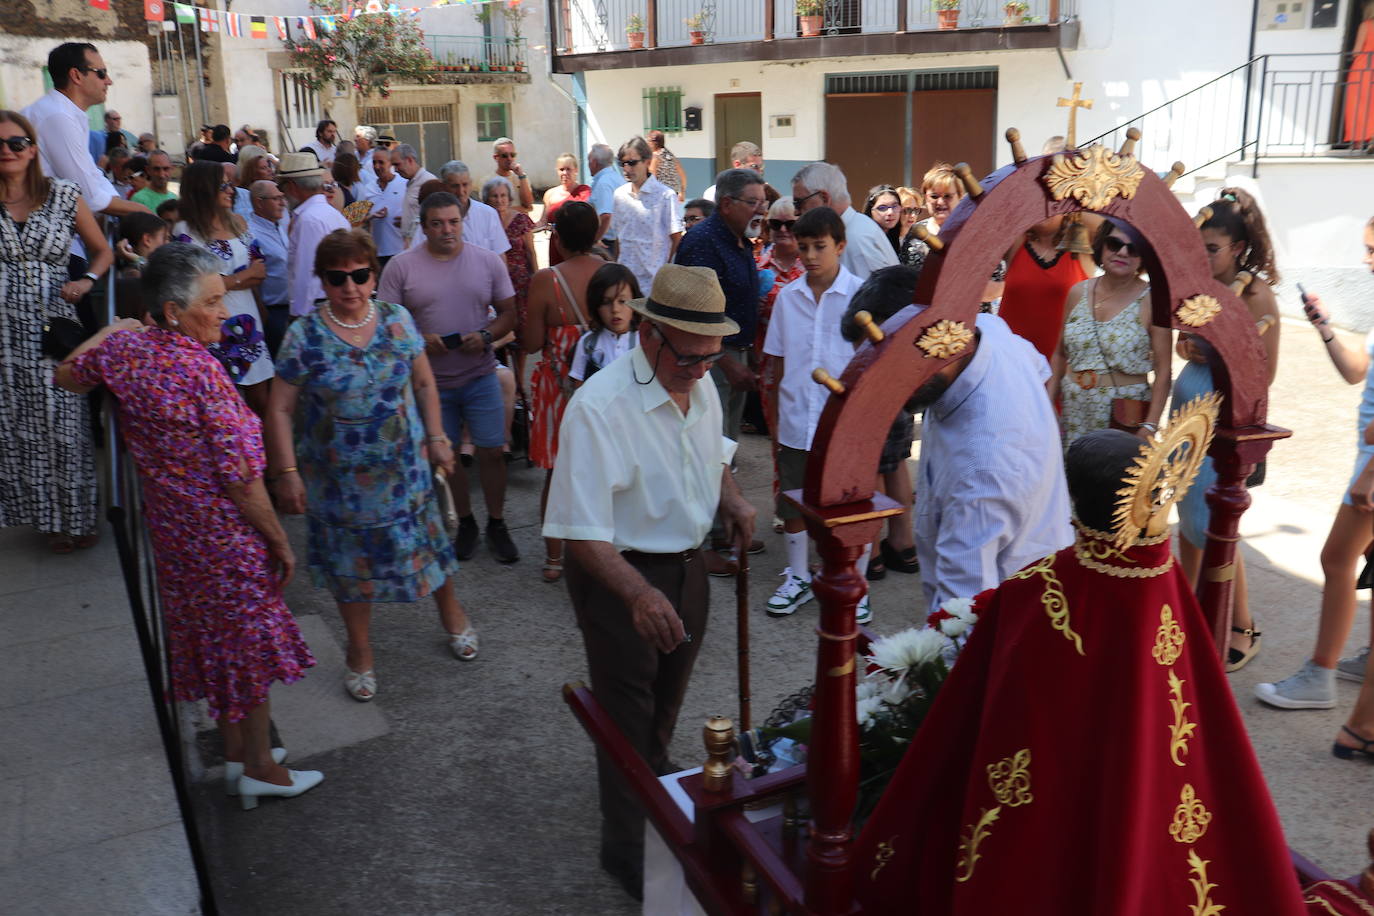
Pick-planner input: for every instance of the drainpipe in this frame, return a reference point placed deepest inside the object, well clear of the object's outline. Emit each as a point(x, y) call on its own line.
point(1249, 74)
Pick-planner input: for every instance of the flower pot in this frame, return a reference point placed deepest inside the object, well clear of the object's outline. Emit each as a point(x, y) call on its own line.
point(1011, 15)
point(698, 37)
point(811, 25)
point(636, 40)
point(949, 19)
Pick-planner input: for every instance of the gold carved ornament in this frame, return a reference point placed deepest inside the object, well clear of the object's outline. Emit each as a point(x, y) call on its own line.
point(1198, 310)
point(1181, 730)
point(1191, 817)
point(1093, 177)
point(1202, 887)
point(944, 339)
point(1165, 469)
point(1168, 638)
point(969, 841)
point(886, 850)
point(1056, 605)
point(1009, 779)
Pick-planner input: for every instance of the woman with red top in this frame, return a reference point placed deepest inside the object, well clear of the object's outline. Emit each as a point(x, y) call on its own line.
point(567, 189)
point(1038, 281)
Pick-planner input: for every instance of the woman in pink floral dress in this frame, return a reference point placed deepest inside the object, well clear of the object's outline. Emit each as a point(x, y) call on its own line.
point(222, 557)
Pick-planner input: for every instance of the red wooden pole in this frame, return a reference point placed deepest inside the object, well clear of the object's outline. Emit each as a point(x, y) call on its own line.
point(768, 25)
point(651, 24)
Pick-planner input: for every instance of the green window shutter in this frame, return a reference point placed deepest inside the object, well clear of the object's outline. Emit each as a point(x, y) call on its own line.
point(492, 121)
point(663, 109)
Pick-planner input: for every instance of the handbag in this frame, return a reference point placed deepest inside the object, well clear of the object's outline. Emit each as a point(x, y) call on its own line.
point(61, 336)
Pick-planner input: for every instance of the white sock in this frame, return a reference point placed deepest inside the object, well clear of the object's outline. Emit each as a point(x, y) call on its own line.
point(796, 554)
point(863, 560)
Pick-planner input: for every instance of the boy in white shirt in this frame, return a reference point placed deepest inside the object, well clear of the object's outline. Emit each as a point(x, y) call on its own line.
point(804, 335)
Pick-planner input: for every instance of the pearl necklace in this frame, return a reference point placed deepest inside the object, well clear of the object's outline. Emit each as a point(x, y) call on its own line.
point(371, 310)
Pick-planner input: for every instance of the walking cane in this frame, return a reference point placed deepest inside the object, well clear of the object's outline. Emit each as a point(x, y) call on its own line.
point(742, 637)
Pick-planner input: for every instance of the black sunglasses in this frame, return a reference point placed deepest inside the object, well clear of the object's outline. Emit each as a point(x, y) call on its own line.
point(707, 359)
point(778, 225)
point(1114, 244)
point(626, 163)
point(337, 277)
point(100, 72)
point(18, 144)
point(798, 201)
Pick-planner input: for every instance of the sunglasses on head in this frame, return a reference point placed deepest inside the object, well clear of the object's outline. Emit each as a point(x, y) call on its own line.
point(18, 144)
point(337, 277)
point(778, 225)
point(1114, 245)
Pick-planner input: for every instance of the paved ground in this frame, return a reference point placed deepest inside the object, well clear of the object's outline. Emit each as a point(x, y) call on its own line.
point(468, 788)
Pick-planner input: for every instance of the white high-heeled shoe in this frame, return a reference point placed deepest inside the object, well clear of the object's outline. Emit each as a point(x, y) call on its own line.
point(233, 771)
point(250, 789)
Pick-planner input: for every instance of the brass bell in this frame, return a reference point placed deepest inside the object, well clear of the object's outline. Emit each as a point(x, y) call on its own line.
point(1075, 236)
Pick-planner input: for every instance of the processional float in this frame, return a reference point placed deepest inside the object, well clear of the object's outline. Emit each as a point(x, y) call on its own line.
point(781, 865)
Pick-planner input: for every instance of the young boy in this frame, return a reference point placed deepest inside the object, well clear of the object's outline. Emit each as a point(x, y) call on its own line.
point(804, 335)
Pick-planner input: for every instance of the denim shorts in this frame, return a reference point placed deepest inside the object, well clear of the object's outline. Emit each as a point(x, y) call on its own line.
point(477, 404)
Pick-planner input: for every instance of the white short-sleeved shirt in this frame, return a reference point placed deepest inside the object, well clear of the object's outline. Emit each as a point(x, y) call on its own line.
point(633, 470)
point(604, 349)
point(481, 227)
point(806, 334)
point(644, 223)
point(384, 232)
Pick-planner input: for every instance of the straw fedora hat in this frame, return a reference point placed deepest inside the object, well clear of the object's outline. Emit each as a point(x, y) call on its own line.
point(299, 165)
point(689, 299)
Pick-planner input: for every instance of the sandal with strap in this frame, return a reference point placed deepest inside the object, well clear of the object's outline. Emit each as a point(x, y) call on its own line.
point(464, 644)
point(1237, 659)
point(361, 685)
point(553, 569)
point(1350, 753)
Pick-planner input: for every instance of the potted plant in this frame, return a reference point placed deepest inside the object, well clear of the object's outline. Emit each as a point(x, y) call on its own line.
point(515, 17)
point(948, 13)
point(694, 31)
point(811, 15)
point(634, 31)
point(1014, 12)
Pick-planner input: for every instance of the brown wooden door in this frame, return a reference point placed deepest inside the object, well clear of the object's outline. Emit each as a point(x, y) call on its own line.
point(953, 125)
point(865, 135)
point(739, 116)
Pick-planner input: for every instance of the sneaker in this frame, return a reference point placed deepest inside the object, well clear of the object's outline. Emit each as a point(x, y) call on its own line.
point(465, 541)
point(499, 542)
point(1352, 668)
point(863, 613)
point(1312, 687)
point(792, 594)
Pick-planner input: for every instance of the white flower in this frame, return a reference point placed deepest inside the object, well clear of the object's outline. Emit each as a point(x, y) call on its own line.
point(959, 607)
point(907, 650)
point(954, 627)
point(867, 688)
point(868, 710)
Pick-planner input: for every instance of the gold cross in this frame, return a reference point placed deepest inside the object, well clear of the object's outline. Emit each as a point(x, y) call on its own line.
point(1073, 104)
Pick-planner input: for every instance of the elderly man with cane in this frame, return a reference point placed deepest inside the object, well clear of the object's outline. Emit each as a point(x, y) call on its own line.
point(642, 469)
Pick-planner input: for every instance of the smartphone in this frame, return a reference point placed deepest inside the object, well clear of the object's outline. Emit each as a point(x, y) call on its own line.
point(453, 341)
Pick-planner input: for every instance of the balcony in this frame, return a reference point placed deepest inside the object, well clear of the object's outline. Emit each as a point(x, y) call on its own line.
point(595, 34)
point(477, 59)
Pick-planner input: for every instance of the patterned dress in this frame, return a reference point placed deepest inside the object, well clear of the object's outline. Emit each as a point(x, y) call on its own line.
point(229, 632)
point(1120, 344)
point(518, 262)
point(237, 254)
point(374, 528)
point(47, 476)
point(551, 383)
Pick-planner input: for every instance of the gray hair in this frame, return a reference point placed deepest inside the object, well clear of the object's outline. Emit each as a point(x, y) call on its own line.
point(743, 150)
point(822, 176)
point(173, 274)
point(600, 155)
point(501, 141)
point(367, 133)
point(312, 184)
point(494, 182)
point(732, 182)
point(405, 151)
point(454, 167)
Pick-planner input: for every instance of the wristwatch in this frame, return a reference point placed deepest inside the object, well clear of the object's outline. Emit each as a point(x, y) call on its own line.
point(520, 176)
point(94, 278)
point(486, 336)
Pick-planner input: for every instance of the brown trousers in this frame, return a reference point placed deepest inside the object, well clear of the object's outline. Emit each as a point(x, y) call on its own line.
point(640, 688)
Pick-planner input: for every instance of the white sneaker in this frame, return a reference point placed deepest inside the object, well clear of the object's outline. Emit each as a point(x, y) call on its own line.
point(1352, 667)
point(792, 594)
point(1313, 687)
point(863, 613)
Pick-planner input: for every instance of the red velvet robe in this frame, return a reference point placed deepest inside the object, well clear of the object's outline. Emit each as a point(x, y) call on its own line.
point(1085, 756)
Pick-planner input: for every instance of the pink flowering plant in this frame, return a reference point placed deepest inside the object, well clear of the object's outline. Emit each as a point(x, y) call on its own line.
point(365, 51)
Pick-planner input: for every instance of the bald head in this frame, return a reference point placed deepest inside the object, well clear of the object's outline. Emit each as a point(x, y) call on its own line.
point(268, 200)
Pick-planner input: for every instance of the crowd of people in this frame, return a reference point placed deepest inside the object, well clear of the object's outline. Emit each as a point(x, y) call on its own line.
point(340, 333)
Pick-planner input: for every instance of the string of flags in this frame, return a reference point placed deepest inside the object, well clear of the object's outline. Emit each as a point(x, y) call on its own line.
point(238, 25)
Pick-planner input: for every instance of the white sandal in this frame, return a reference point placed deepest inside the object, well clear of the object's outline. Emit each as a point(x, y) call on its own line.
point(361, 686)
point(464, 644)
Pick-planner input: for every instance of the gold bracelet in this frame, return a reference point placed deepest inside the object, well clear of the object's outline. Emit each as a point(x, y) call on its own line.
point(284, 471)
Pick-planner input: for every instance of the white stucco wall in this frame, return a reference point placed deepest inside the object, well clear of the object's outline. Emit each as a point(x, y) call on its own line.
point(22, 60)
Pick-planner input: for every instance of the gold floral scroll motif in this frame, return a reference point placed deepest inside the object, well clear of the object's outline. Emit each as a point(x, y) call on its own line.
point(1180, 730)
point(1009, 779)
point(1198, 310)
point(886, 851)
point(1202, 887)
point(1168, 638)
point(944, 339)
point(969, 841)
point(1056, 605)
point(1190, 817)
point(1095, 177)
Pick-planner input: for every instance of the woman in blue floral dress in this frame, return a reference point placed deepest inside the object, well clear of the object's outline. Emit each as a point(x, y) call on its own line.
point(358, 465)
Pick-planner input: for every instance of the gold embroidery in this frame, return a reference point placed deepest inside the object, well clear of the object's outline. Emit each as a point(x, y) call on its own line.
point(1168, 638)
point(1056, 605)
point(885, 852)
point(970, 840)
point(1202, 887)
point(1340, 888)
point(1325, 904)
point(1164, 471)
point(1198, 310)
point(1094, 177)
point(1107, 536)
point(1087, 562)
point(1181, 729)
point(1009, 779)
point(945, 338)
point(1190, 817)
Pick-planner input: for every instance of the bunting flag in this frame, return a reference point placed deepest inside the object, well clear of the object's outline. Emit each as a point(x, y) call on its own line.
point(154, 11)
point(186, 15)
point(328, 23)
point(257, 26)
point(308, 25)
point(169, 25)
point(100, 4)
point(280, 23)
point(234, 24)
point(209, 20)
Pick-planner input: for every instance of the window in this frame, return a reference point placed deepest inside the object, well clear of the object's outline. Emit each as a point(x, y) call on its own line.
point(491, 121)
point(428, 128)
point(663, 109)
point(300, 103)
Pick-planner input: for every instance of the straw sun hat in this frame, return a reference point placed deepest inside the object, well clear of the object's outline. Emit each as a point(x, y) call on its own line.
point(299, 165)
point(689, 299)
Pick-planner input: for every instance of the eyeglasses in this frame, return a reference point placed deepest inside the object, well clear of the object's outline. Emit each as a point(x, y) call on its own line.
point(756, 166)
point(756, 204)
point(337, 277)
point(18, 144)
point(113, 118)
point(228, 186)
point(706, 359)
point(885, 208)
point(1114, 245)
point(798, 201)
point(505, 155)
point(692, 220)
point(626, 163)
point(781, 225)
point(100, 74)
point(910, 211)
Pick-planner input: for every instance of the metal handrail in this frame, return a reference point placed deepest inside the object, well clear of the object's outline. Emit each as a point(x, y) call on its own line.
point(1172, 101)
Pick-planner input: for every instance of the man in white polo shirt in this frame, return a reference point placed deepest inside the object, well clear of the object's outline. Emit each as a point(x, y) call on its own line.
point(312, 218)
